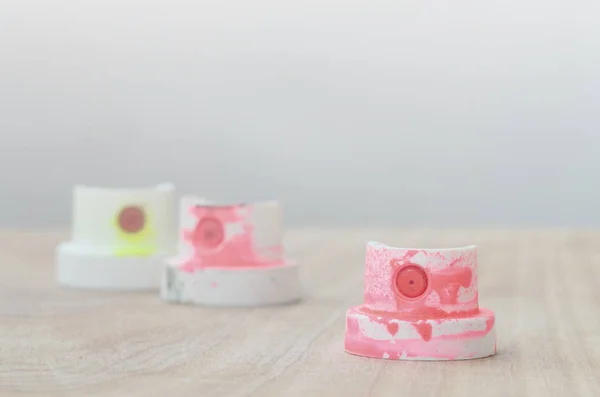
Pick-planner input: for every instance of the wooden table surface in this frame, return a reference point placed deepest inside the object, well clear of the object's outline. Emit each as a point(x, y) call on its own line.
point(543, 285)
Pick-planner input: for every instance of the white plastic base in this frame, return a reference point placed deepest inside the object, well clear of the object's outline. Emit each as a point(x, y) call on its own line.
point(256, 286)
point(384, 335)
point(79, 268)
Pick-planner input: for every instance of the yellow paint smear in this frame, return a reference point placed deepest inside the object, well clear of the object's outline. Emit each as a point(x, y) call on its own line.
point(141, 243)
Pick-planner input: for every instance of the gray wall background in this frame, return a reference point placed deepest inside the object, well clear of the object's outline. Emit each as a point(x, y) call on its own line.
point(400, 113)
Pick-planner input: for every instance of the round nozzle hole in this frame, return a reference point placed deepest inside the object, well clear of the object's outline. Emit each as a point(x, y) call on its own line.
point(209, 233)
point(411, 281)
point(132, 219)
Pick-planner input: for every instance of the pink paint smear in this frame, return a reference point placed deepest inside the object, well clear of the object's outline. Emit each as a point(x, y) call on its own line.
point(213, 248)
point(444, 347)
point(442, 295)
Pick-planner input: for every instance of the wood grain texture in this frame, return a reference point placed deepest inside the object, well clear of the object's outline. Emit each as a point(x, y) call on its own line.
point(543, 285)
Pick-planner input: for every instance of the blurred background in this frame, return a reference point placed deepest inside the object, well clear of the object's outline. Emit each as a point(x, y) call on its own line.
point(374, 113)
